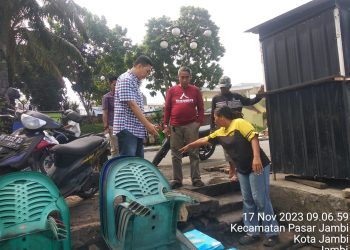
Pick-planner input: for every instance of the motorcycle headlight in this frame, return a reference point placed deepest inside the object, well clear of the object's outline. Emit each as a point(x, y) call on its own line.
point(31, 122)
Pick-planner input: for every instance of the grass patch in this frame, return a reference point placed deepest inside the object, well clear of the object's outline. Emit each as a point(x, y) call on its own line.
point(91, 128)
point(57, 116)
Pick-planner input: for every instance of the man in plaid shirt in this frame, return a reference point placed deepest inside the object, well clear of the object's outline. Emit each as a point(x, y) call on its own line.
point(130, 125)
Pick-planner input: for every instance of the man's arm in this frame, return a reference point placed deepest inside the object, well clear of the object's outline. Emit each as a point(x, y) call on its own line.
point(167, 107)
point(212, 120)
point(247, 101)
point(167, 110)
point(139, 115)
point(105, 114)
point(257, 166)
point(105, 120)
point(196, 144)
point(200, 107)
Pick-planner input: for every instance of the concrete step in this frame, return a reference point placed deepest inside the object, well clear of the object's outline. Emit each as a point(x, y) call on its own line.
point(217, 202)
point(230, 202)
point(218, 188)
point(233, 217)
point(205, 205)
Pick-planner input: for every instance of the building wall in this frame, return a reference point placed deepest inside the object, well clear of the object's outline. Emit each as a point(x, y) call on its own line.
point(253, 117)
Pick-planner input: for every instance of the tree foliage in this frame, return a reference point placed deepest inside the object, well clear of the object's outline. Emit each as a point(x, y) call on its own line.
point(43, 40)
point(203, 60)
point(43, 90)
point(104, 53)
point(25, 39)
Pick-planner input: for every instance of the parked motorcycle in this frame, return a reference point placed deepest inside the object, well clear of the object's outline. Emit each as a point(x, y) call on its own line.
point(64, 135)
point(74, 166)
point(204, 152)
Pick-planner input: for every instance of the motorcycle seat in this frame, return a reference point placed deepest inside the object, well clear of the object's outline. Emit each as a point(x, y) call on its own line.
point(204, 130)
point(79, 146)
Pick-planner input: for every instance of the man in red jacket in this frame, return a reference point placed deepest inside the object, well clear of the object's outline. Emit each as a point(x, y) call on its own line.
point(183, 114)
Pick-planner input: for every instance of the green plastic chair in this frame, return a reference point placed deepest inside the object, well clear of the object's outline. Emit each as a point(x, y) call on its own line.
point(33, 215)
point(138, 210)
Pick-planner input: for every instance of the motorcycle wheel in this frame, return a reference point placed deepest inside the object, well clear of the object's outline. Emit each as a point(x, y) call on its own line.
point(90, 188)
point(47, 163)
point(87, 194)
point(206, 151)
point(100, 161)
point(163, 151)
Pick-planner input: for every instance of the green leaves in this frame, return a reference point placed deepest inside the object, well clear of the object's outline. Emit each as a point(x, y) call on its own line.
point(203, 60)
point(26, 39)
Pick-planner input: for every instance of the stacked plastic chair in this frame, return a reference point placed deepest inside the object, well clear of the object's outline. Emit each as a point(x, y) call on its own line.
point(33, 215)
point(138, 210)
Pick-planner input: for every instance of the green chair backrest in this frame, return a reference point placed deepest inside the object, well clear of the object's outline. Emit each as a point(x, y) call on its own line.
point(145, 215)
point(33, 215)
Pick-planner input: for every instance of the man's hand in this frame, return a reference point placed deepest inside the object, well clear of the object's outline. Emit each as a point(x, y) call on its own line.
point(106, 130)
point(151, 129)
point(261, 90)
point(184, 149)
point(167, 131)
point(257, 166)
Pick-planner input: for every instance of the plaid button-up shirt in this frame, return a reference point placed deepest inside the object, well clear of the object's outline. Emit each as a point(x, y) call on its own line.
point(127, 89)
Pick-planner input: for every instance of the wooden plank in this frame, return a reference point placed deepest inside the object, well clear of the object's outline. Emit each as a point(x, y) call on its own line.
point(315, 184)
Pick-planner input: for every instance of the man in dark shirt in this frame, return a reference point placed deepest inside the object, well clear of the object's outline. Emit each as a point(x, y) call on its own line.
point(108, 116)
point(236, 102)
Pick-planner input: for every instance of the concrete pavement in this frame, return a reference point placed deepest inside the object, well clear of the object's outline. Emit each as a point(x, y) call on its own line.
point(152, 148)
point(288, 198)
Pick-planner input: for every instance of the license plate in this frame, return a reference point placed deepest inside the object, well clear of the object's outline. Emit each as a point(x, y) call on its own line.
point(10, 141)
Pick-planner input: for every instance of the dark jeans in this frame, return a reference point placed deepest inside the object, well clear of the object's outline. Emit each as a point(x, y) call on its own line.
point(130, 145)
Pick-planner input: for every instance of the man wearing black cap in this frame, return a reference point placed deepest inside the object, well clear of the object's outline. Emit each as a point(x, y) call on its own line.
point(236, 102)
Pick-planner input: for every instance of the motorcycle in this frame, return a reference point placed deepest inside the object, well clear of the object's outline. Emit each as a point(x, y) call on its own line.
point(74, 166)
point(204, 151)
point(63, 135)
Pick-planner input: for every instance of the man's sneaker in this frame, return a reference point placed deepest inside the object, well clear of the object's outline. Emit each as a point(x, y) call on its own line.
point(175, 184)
point(198, 183)
point(248, 239)
point(271, 241)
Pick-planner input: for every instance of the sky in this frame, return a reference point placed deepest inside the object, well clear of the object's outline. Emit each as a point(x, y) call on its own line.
point(242, 59)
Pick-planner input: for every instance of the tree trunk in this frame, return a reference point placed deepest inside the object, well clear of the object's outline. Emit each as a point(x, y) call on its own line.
point(5, 26)
point(86, 104)
point(4, 77)
point(4, 83)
